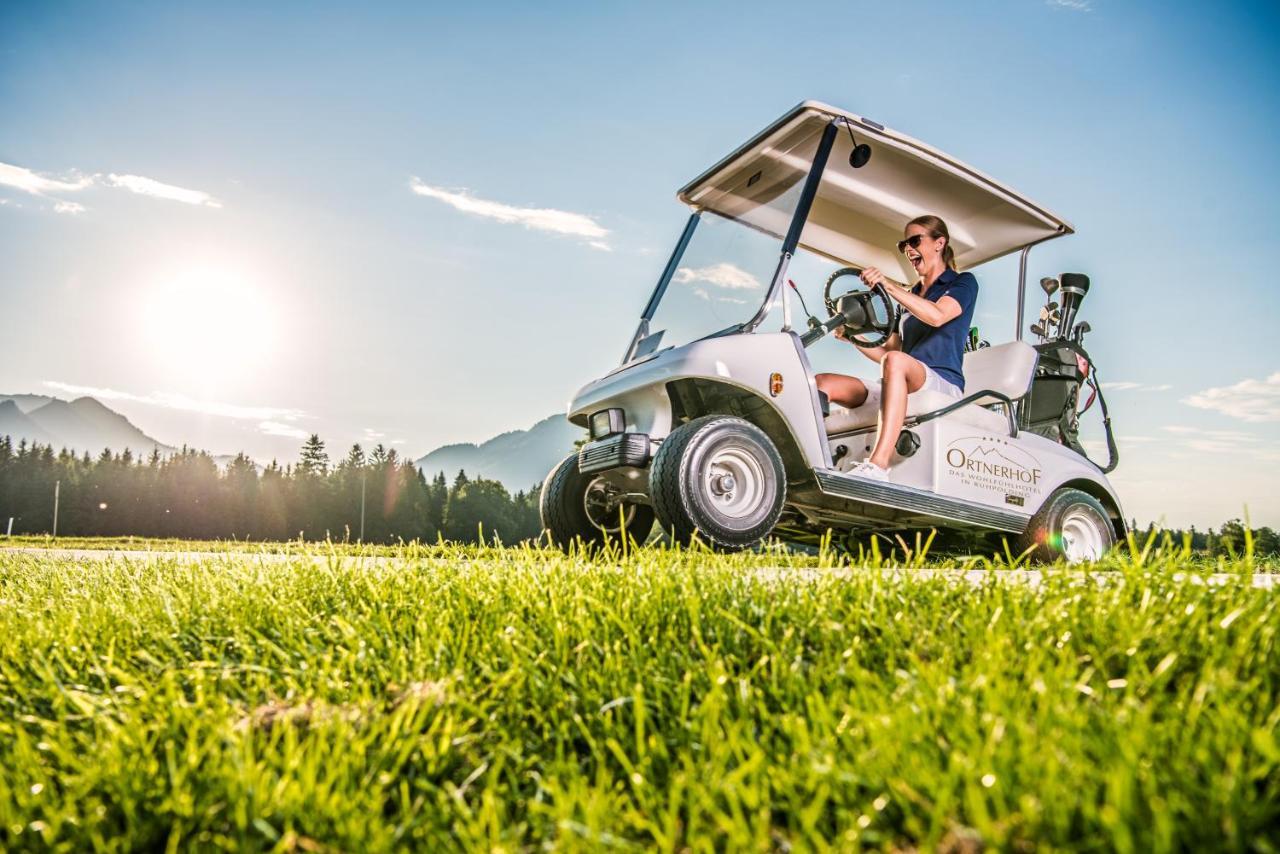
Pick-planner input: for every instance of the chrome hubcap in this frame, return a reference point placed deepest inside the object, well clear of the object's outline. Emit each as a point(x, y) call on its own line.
point(1081, 538)
point(735, 482)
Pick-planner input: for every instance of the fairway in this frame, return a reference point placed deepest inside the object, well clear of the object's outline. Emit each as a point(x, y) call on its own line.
point(339, 698)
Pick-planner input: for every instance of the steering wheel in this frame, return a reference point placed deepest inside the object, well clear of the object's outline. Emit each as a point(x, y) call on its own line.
point(864, 298)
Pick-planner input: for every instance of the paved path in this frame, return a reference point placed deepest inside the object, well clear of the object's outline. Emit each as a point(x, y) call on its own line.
point(975, 577)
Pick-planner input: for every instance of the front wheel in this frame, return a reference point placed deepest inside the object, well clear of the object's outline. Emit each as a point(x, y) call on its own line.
point(1072, 525)
point(576, 506)
point(720, 477)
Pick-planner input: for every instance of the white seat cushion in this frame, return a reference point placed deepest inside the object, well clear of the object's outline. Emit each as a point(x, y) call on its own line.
point(1005, 368)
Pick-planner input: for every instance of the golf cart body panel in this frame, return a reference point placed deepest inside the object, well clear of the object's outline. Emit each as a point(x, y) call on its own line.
point(728, 413)
point(970, 475)
point(745, 362)
point(858, 213)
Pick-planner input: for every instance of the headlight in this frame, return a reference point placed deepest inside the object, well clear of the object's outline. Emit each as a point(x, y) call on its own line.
point(607, 422)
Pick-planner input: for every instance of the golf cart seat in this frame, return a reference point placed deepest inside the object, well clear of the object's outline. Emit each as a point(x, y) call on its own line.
point(1006, 369)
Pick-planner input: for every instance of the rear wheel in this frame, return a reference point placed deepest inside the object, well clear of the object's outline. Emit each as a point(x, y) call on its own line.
point(576, 506)
point(720, 477)
point(1072, 525)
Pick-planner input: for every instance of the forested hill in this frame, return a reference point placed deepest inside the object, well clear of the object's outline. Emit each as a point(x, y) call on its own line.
point(187, 495)
point(516, 459)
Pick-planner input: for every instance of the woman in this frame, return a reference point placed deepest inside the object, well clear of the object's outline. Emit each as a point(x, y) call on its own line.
point(926, 352)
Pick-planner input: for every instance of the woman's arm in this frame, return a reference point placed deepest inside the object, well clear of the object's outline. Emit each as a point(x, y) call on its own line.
point(926, 311)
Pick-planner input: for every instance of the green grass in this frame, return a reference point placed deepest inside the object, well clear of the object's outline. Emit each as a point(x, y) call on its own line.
point(155, 544)
point(484, 698)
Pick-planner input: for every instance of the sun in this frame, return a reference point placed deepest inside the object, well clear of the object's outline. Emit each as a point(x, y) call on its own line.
point(210, 323)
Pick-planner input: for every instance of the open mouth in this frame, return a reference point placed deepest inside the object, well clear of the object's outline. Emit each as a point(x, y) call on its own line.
point(914, 259)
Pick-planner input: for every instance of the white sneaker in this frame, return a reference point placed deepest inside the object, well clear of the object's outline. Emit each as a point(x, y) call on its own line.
point(870, 471)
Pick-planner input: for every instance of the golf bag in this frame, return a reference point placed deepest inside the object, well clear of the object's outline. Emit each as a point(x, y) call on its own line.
point(1052, 408)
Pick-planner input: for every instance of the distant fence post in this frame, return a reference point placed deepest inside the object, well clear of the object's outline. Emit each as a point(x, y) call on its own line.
point(57, 486)
point(9, 533)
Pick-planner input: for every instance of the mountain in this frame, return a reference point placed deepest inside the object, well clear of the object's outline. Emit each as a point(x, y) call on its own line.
point(82, 424)
point(519, 459)
point(27, 402)
point(14, 423)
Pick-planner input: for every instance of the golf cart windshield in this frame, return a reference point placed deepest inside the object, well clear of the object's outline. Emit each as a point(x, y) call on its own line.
point(720, 273)
point(721, 280)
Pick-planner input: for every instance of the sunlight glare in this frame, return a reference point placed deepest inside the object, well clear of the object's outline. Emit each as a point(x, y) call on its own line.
point(210, 322)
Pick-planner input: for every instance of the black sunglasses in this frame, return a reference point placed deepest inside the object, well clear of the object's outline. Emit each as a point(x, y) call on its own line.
point(913, 241)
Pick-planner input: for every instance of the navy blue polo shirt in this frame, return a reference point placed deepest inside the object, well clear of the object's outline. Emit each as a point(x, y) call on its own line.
point(942, 347)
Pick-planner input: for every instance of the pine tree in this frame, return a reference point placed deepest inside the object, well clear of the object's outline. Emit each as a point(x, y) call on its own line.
point(314, 459)
point(479, 509)
point(437, 498)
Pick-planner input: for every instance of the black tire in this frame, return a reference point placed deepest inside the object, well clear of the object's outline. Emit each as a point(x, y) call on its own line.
point(687, 502)
point(1070, 525)
point(565, 515)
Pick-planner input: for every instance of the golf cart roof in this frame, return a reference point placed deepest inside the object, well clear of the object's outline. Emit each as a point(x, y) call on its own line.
point(858, 214)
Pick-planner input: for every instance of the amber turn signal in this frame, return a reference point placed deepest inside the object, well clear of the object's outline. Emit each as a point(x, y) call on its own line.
point(775, 384)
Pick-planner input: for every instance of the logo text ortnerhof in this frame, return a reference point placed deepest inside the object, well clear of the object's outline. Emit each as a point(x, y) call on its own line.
point(992, 462)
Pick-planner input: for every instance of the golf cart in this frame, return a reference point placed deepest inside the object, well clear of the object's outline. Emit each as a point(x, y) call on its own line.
point(713, 424)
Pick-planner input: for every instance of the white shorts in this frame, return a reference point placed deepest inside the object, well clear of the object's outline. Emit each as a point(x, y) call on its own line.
point(933, 381)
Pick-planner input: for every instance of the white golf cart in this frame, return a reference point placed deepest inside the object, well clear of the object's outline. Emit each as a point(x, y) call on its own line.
point(714, 424)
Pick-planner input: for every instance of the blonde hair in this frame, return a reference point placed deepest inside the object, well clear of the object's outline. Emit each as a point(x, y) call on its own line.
point(937, 228)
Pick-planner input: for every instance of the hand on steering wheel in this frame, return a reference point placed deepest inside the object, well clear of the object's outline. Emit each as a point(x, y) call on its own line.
point(875, 291)
point(872, 277)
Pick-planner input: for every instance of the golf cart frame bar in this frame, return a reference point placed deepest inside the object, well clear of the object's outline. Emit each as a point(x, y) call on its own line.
point(798, 219)
point(1022, 280)
point(642, 330)
point(789, 243)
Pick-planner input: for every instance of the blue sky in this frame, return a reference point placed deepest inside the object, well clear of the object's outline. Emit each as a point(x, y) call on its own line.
point(321, 293)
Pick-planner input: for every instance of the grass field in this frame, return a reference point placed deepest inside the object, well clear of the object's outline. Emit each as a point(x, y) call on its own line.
point(483, 698)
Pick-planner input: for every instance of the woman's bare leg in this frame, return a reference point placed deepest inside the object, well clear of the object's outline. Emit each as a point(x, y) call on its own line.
point(846, 391)
point(902, 375)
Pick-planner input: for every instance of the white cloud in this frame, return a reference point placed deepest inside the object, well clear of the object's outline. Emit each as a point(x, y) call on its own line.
point(275, 428)
point(540, 219)
point(1183, 430)
point(184, 403)
point(21, 178)
point(702, 293)
point(36, 184)
point(151, 187)
point(1073, 5)
point(1249, 400)
point(1215, 441)
point(1132, 386)
point(722, 275)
